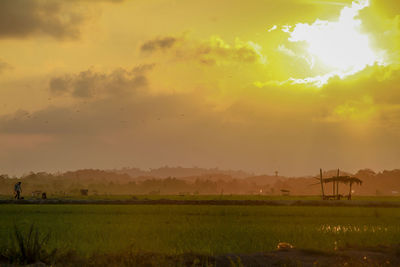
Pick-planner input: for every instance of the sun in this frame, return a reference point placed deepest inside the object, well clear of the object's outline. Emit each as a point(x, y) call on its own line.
point(339, 45)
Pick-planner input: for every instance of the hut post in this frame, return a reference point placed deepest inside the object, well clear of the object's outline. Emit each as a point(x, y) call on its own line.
point(337, 190)
point(322, 184)
point(333, 188)
point(349, 198)
point(337, 185)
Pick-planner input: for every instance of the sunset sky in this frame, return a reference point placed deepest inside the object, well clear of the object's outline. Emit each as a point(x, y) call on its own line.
point(258, 85)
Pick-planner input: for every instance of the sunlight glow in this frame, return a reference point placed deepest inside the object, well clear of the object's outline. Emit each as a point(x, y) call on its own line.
point(340, 45)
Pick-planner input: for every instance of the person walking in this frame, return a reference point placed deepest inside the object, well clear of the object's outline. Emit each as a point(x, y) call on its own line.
point(17, 190)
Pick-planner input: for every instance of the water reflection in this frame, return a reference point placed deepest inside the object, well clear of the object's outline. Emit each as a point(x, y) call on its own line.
point(339, 229)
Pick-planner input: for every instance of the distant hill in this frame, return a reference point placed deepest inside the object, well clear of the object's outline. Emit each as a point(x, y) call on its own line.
point(180, 172)
point(264, 179)
point(93, 175)
point(178, 180)
point(331, 173)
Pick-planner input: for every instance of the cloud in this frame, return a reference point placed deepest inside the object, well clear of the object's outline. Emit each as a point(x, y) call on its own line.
point(273, 28)
point(4, 66)
point(388, 7)
point(57, 19)
point(111, 104)
point(88, 84)
point(20, 18)
point(158, 44)
point(383, 24)
point(367, 98)
point(209, 52)
point(291, 128)
point(144, 68)
point(120, 99)
point(283, 49)
point(217, 49)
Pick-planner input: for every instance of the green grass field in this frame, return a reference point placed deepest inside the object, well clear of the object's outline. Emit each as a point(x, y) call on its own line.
point(209, 197)
point(210, 230)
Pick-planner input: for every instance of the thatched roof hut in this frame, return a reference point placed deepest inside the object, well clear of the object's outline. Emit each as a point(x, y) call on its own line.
point(336, 180)
point(343, 179)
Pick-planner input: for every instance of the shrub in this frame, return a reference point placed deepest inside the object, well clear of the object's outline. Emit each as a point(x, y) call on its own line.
point(28, 247)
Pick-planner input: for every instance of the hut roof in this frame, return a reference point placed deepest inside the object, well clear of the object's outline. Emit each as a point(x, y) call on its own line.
point(343, 179)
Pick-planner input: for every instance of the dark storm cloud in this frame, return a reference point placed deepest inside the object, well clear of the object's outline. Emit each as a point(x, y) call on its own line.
point(158, 44)
point(25, 18)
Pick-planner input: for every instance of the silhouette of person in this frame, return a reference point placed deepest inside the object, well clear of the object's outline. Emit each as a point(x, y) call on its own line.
point(17, 190)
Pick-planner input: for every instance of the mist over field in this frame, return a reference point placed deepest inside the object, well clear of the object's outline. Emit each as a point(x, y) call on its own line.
point(194, 181)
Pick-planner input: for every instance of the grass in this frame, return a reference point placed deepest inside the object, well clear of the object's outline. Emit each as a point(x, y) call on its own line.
point(28, 247)
point(209, 197)
point(209, 230)
point(31, 247)
point(177, 197)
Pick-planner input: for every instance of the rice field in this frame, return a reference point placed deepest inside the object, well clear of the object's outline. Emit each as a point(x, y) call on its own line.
point(209, 230)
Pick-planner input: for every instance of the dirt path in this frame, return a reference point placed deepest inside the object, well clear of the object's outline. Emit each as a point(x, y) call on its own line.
point(293, 257)
point(381, 256)
point(343, 203)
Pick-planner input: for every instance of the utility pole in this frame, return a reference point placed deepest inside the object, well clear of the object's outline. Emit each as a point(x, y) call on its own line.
point(337, 185)
point(322, 185)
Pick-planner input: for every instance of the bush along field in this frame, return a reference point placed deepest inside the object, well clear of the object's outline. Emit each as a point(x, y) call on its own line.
point(186, 234)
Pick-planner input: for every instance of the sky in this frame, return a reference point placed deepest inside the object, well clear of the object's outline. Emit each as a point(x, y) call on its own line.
point(258, 85)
